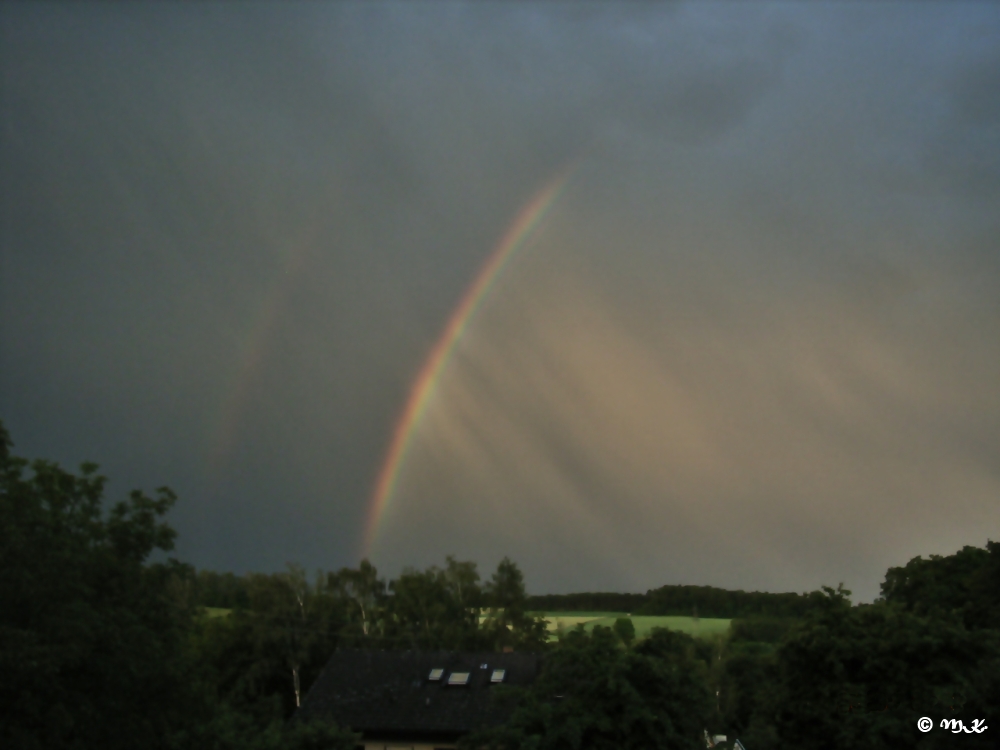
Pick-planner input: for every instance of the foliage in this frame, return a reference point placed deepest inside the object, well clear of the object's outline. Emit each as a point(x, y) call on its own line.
point(757, 629)
point(259, 660)
point(509, 625)
point(680, 601)
point(593, 694)
point(262, 658)
point(88, 630)
point(318, 736)
point(625, 630)
point(966, 583)
point(708, 601)
point(747, 698)
point(586, 602)
point(646, 624)
point(436, 609)
point(229, 729)
point(855, 677)
point(363, 595)
point(99, 647)
point(221, 590)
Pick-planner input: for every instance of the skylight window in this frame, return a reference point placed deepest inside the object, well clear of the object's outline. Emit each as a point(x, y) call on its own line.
point(435, 675)
point(458, 678)
point(498, 675)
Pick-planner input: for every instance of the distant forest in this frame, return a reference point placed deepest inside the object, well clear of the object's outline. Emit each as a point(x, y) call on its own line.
point(230, 591)
point(681, 601)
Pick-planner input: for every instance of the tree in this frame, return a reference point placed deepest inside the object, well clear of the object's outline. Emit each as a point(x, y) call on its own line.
point(855, 677)
point(364, 592)
point(709, 601)
point(462, 581)
point(625, 629)
point(437, 608)
point(508, 623)
point(594, 694)
point(317, 735)
point(222, 590)
point(984, 590)
point(91, 639)
point(966, 583)
point(263, 657)
point(747, 694)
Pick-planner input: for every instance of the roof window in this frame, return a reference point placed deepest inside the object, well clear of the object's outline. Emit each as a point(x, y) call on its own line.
point(498, 675)
point(458, 678)
point(435, 675)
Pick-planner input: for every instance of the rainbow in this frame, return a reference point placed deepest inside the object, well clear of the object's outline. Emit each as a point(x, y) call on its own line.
point(294, 254)
point(423, 387)
point(252, 356)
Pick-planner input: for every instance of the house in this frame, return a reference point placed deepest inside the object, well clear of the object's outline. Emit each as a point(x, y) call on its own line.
point(415, 699)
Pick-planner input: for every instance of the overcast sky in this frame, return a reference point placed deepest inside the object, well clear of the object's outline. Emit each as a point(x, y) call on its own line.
point(754, 344)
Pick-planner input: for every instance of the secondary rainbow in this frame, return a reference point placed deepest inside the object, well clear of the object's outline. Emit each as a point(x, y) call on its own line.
point(423, 387)
point(253, 353)
point(294, 251)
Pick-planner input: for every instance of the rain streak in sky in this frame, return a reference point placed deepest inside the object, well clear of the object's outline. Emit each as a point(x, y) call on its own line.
point(633, 293)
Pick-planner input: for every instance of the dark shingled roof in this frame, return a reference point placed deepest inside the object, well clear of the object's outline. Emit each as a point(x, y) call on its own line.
point(378, 692)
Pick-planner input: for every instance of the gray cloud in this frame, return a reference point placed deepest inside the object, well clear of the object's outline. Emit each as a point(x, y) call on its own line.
point(754, 345)
point(965, 151)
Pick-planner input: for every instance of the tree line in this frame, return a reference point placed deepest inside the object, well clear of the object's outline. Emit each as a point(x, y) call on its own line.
point(437, 608)
point(101, 647)
point(829, 676)
point(679, 600)
point(273, 642)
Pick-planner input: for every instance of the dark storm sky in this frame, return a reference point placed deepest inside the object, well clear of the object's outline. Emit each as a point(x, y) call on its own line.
point(755, 343)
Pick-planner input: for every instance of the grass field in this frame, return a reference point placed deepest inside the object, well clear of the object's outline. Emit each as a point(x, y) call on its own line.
point(703, 627)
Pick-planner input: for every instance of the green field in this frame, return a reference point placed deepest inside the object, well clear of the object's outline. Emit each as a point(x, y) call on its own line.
point(703, 627)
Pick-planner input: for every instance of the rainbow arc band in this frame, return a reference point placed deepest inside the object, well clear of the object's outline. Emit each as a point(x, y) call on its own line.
point(523, 226)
